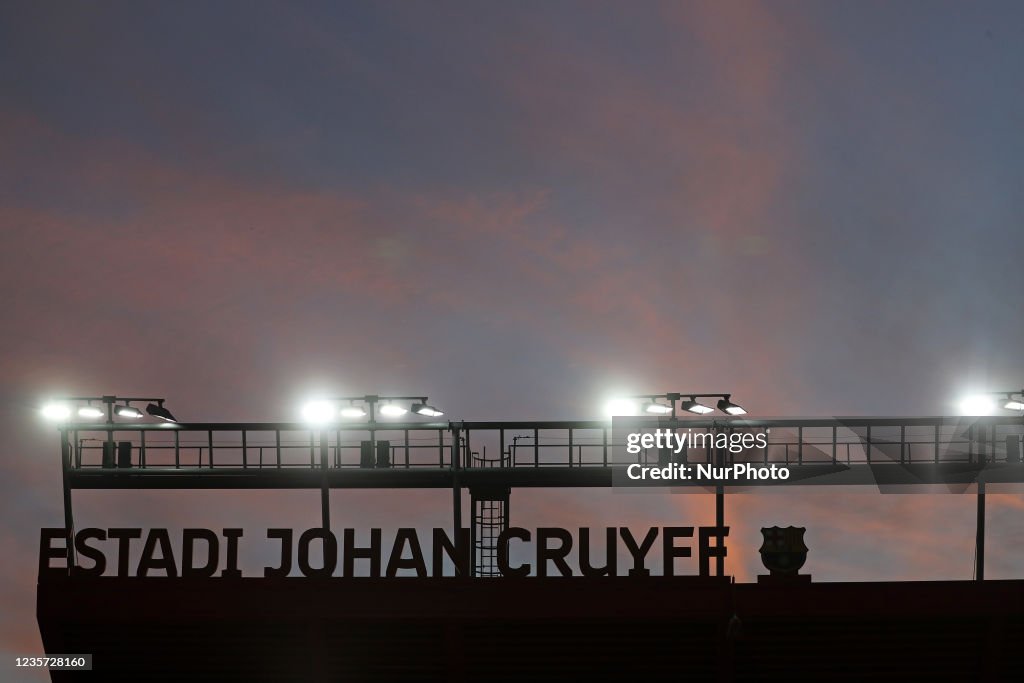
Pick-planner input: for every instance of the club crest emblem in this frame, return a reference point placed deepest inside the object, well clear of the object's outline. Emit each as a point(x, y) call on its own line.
point(783, 551)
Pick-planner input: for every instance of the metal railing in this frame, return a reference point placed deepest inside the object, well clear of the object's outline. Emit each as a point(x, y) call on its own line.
point(286, 446)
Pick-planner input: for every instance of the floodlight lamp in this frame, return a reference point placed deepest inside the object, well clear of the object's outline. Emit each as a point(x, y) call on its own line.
point(128, 411)
point(620, 406)
point(1014, 404)
point(424, 409)
point(392, 410)
point(977, 405)
point(730, 408)
point(91, 411)
point(353, 412)
point(56, 411)
point(657, 408)
point(157, 410)
point(318, 412)
point(691, 405)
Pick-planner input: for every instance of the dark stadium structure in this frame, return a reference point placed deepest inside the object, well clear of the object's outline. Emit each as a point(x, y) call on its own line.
point(481, 626)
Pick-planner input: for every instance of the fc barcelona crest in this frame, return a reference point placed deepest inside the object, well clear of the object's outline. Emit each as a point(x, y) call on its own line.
point(783, 551)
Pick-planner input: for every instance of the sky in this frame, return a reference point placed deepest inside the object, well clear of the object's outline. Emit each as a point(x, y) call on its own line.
point(517, 209)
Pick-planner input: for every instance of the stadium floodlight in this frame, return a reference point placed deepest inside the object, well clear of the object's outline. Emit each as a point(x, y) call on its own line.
point(318, 412)
point(91, 411)
point(979, 404)
point(657, 408)
point(352, 412)
point(665, 404)
point(158, 411)
point(986, 403)
point(691, 405)
point(128, 411)
point(105, 408)
point(56, 411)
point(727, 406)
point(1013, 403)
point(620, 406)
point(372, 406)
point(424, 409)
point(392, 410)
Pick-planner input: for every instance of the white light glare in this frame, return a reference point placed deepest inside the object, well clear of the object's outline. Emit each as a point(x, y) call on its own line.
point(392, 410)
point(56, 411)
point(90, 411)
point(352, 412)
point(620, 406)
point(318, 412)
point(977, 405)
point(1014, 404)
point(657, 408)
point(129, 411)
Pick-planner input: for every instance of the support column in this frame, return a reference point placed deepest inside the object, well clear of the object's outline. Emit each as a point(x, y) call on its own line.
point(979, 534)
point(456, 485)
point(979, 556)
point(325, 489)
point(720, 522)
point(720, 511)
point(69, 519)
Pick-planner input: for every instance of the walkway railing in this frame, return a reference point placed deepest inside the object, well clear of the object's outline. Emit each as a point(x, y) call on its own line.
point(217, 446)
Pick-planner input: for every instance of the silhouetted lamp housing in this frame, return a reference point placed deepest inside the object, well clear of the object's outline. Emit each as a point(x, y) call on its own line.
point(727, 406)
point(157, 410)
point(424, 409)
point(691, 405)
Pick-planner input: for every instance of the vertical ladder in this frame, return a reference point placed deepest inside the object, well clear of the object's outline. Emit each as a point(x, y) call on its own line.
point(490, 519)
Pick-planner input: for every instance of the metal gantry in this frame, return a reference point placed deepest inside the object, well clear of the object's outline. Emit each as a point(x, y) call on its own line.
point(885, 452)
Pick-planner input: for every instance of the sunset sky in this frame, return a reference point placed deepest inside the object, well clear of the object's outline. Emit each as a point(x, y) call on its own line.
point(518, 209)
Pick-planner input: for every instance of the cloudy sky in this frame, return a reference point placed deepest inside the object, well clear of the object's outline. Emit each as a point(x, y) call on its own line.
point(518, 209)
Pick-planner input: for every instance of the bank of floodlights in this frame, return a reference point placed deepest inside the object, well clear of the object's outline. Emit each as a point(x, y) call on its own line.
point(105, 407)
point(356, 407)
point(665, 404)
point(986, 403)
